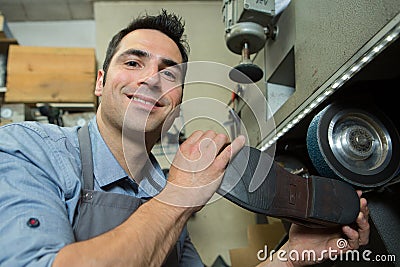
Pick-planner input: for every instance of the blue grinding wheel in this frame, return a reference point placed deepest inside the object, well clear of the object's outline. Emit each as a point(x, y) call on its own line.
point(356, 144)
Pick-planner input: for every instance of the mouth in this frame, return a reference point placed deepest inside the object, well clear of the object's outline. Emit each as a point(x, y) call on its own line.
point(145, 100)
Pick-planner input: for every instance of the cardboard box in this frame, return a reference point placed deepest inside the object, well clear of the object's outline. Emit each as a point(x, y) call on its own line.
point(261, 237)
point(50, 74)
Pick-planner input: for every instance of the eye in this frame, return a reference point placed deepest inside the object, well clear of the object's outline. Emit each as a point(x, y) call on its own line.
point(133, 64)
point(168, 75)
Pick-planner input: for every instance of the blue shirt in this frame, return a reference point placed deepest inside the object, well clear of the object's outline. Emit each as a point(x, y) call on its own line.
point(40, 172)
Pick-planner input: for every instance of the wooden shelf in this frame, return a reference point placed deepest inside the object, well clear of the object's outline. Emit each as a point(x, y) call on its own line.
point(5, 44)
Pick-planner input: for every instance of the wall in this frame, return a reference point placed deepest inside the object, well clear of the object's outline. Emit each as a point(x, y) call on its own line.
point(325, 35)
point(219, 226)
point(222, 225)
point(205, 33)
point(80, 33)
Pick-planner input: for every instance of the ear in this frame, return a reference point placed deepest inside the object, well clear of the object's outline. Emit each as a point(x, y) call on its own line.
point(99, 83)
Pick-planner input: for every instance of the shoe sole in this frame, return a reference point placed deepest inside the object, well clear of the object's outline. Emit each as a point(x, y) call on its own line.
point(255, 182)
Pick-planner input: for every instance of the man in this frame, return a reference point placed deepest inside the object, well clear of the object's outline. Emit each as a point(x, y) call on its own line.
point(92, 196)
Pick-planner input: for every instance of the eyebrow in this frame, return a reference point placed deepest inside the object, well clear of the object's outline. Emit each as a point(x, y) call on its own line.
point(135, 52)
point(168, 62)
point(142, 53)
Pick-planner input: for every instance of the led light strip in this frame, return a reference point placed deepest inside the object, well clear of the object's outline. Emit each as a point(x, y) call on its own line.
point(361, 59)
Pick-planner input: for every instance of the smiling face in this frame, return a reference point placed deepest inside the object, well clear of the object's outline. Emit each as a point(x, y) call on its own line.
point(143, 83)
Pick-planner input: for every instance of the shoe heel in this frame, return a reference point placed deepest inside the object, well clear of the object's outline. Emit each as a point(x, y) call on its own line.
point(313, 202)
point(333, 201)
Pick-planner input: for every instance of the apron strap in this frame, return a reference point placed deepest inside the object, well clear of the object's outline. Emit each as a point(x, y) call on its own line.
point(86, 157)
point(96, 219)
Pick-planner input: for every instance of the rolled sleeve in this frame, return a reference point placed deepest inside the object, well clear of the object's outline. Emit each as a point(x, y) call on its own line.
point(34, 218)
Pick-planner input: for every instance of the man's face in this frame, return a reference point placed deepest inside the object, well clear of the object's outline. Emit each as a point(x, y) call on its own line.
point(143, 83)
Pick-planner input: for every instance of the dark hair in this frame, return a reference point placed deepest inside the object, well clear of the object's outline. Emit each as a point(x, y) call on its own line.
point(167, 23)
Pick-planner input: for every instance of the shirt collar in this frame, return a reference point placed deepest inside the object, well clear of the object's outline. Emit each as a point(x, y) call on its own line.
point(107, 170)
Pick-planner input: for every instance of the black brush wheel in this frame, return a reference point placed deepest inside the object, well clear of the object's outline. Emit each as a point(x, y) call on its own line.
point(355, 143)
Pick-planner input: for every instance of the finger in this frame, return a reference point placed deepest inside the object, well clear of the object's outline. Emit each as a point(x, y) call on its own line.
point(185, 149)
point(362, 222)
point(207, 146)
point(230, 151)
point(353, 237)
point(361, 236)
point(364, 207)
point(237, 145)
point(206, 141)
point(221, 141)
point(363, 228)
point(209, 135)
point(193, 138)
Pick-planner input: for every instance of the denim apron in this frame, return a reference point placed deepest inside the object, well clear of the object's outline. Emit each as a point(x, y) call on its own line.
point(99, 212)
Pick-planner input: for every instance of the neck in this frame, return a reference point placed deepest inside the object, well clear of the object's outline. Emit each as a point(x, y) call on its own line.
point(129, 149)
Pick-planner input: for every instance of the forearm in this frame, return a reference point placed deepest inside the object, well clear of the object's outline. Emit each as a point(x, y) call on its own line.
point(144, 239)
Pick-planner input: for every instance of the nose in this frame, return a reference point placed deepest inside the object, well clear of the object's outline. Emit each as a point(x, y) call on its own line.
point(150, 76)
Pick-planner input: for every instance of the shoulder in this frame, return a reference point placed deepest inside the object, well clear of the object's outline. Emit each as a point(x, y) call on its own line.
point(42, 144)
point(42, 130)
point(32, 133)
point(47, 150)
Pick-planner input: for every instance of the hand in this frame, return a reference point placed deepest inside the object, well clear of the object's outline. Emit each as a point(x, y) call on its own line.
point(198, 168)
point(302, 238)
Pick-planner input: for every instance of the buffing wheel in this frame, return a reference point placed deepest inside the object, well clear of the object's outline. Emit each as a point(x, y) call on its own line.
point(246, 73)
point(355, 143)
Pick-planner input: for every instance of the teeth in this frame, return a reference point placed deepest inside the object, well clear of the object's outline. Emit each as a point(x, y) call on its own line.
point(142, 101)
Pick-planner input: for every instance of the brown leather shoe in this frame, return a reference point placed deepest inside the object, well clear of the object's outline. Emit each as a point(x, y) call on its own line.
point(255, 182)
